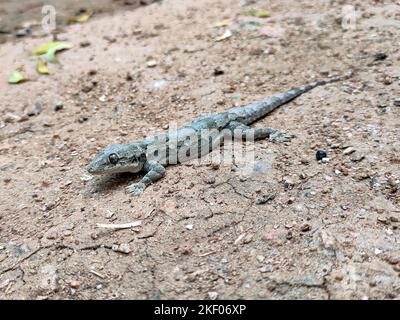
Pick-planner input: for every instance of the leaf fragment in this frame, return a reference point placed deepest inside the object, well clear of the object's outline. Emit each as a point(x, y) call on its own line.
point(41, 66)
point(51, 53)
point(258, 13)
point(80, 18)
point(44, 48)
point(17, 77)
point(227, 34)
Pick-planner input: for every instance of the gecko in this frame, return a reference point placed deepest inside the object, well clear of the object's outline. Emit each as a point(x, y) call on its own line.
point(153, 154)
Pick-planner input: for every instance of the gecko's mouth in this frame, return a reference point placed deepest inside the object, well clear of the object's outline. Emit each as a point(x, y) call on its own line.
point(94, 168)
point(107, 170)
point(91, 170)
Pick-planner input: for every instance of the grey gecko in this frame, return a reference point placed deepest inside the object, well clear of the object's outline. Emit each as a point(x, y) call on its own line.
point(143, 156)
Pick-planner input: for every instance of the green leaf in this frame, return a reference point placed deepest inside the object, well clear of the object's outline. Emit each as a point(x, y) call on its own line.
point(44, 48)
point(51, 53)
point(16, 77)
point(258, 13)
point(80, 18)
point(41, 66)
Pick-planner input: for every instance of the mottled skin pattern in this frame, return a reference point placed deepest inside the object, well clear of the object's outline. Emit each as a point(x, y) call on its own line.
point(144, 156)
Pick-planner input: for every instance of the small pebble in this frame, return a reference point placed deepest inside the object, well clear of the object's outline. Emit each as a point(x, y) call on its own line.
point(87, 87)
point(291, 200)
point(215, 165)
point(218, 71)
point(380, 56)
point(70, 226)
point(151, 63)
point(128, 76)
point(94, 235)
point(387, 80)
point(357, 157)
point(392, 182)
point(86, 177)
point(109, 214)
point(305, 227)
point(260, 258)
point(209, 179)
point(304, 161)
point(213, 295)
point(265, 198)
point(383, 220)
point(84, 44)
point(248, 238)
point(59, 106)
point(82, 119)
point(123, 248)
point(23, 32)
point(321, 155)
point(303, 175)
point(75, 284)
point(289, 184)
point(394, 219)
point(265, 269)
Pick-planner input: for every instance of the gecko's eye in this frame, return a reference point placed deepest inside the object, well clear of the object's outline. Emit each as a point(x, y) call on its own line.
point(113, 158)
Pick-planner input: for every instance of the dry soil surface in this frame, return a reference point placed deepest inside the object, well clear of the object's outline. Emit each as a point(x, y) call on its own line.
point(289, 227)
point(23, 17)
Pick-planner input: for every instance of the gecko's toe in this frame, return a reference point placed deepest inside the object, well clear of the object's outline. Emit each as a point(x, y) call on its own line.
point(135, 189)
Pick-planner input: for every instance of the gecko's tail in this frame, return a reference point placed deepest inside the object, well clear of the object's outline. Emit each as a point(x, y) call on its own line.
point(327, 81)
point(251, 112)
point(294, 93)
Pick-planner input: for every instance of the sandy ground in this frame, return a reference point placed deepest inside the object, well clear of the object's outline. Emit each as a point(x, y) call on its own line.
point(23, 17)
point(329, 230)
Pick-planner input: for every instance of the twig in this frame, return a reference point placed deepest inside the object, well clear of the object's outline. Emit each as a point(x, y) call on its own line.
point(120, 226)
point(206, 254)
point(98, 274)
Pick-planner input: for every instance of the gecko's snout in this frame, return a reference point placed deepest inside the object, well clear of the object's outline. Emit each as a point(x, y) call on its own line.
point(91, 168)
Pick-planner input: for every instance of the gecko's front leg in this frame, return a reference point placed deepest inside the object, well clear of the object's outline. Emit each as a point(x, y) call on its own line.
point(155, 172)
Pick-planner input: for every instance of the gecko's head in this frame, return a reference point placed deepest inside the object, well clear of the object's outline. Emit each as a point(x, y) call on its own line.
point(118, 158)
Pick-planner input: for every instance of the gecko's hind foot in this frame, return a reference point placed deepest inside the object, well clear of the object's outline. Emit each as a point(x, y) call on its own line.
point(281, 137)
point(136, 189)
